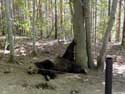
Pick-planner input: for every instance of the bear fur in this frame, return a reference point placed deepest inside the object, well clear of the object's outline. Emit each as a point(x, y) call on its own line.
point(46, 68)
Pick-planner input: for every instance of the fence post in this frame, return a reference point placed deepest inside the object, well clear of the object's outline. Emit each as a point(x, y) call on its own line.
point(108, 75)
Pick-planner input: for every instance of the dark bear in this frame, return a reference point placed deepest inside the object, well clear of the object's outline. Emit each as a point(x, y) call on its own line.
point(69, 53)
point(62, 64)
point(77, 69)
point(49, 69)
point(66, 65)
point(46, 68)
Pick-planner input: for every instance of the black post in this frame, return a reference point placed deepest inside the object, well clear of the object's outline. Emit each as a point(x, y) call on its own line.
point(108, 76)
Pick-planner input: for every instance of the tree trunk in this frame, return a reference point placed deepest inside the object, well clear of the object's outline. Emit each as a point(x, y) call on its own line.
point(79, 35)
point(88, 26)
point(46, 13)
point(56, 19)
point(9, 29)
point(33, 29)
point(71, 12)
point(61, 13)
point(118, 22)
point(2, 17)
point(95, 26)
point(40, 17)
point(109, 11)
point(101, 57)
point(123, 34)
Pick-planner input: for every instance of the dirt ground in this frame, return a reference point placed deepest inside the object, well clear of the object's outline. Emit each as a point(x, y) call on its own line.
point(15, 80)
point(19, 82)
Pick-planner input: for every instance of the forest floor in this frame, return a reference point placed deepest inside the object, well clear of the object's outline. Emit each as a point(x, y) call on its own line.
point(15, 80)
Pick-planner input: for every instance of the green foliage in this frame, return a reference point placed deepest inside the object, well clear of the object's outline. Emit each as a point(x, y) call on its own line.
point(103, 5)
point(101, 28)
point(102, 17)
point(19, 3)
point(22, 15)
point(22, 24)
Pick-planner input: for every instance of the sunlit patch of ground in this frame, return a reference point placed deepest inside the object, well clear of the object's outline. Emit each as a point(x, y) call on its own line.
point(119, 69)
point(23, 48)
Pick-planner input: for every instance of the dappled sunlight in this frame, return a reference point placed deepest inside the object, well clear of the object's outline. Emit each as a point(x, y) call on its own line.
point(44, 43)
point(119, 92)
point(42, 46)
point(119, 66)
point(4, 51)
point(119, 69)
point(45, 46)
point(20, 51)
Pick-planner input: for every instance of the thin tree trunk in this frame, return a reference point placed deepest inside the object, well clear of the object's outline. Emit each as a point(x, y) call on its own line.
point(109, 10)
point(33, 29)
point(118, 25)
point(95, 21)
point(9, 29)
point(46, 13)
point(40, 17)
point(101, 57)
point(88, 26)
point(2, 16)
point(123, 34)
point(56, 20)
point(61, 13)
point(71, 12)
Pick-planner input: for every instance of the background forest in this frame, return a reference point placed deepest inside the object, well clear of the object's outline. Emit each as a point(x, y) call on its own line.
point(72, 37)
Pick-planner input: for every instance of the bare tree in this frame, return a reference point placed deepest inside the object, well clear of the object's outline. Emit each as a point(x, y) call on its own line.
point(56, 20)
point(123, 34)
point(101, 57)
point(118, 25)
point(33, 28)
point(9, 29)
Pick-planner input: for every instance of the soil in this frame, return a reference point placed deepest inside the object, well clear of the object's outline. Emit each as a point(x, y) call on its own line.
point(15, 80)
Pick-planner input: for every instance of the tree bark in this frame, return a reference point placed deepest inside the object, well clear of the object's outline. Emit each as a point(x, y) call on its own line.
point(118, 25)
point(123, 34)
point(109, 10)
point(88, 26)
point(9, 29)
point(33, 29)
point(79, 35)
point(61, 14)
point(56, 19)
point(40, 17)
point(101, 57)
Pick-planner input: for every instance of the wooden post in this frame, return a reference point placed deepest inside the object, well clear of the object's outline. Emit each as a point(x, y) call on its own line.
point(108, 76)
